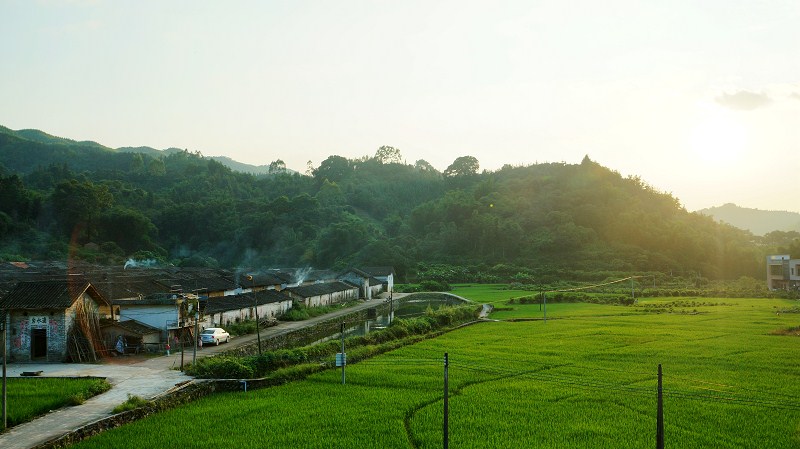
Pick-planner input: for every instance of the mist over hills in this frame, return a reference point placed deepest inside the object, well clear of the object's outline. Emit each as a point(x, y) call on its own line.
point(62, 197)
point(759, 222)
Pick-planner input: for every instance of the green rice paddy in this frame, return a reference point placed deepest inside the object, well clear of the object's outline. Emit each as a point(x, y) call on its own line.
point(586, 378)
point(31, 397)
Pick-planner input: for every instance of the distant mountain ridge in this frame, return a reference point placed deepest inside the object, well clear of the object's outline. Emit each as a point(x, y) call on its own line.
point(759, 222)
point(41, 137)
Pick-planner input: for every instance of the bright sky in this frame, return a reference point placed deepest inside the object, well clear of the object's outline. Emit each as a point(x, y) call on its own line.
point(699, 98)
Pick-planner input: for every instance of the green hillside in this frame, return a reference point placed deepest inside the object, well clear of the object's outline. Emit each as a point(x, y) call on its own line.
point(182, 208)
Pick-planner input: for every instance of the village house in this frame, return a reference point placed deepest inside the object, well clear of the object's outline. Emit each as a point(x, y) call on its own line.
point(223, 311)
point(169, 312)
point(368, 286)
point(54, 320)
point(383, 274)
point(783, 272)
point(323, 294)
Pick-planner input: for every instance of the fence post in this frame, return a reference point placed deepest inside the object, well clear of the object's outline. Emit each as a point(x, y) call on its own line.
point(660, 414)
point(446, 411)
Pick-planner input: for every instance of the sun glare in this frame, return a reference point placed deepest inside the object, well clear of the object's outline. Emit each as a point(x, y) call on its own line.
point(718, 136)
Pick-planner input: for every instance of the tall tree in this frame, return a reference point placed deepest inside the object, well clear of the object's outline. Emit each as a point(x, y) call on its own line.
point(388, 155)
point(462, 166)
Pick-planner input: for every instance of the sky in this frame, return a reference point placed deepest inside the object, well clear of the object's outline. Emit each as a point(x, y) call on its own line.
point(700, 99)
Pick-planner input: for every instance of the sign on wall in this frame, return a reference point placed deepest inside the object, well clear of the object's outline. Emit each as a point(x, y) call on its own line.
point(38, 322)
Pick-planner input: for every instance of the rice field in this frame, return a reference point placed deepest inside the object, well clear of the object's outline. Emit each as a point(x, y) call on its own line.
point(585, 379)
point(31, 397)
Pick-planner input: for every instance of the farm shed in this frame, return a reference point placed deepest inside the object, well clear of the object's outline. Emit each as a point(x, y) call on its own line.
point(54, 321)
point(323, 294)
point(135, 334)
point(225, 310)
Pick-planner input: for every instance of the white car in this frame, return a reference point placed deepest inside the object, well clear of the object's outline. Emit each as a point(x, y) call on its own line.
point(214, 335)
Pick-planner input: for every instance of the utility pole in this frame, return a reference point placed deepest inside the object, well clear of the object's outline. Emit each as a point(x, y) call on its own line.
point(255, 306)
point(446, 407)
point(5, 355)
point(196, 335)
point(344, 356)
point(182, 335)
point(660, 415)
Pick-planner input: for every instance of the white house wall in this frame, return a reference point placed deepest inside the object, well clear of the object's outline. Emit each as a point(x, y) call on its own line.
point(233, 316)
point(154, 315)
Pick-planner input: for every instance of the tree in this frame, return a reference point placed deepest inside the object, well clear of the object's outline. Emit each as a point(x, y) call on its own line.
point(462, 166)
point(424, 166)
point(277, 166)
point(334, 169)
point(388, 155)
point(79, 202)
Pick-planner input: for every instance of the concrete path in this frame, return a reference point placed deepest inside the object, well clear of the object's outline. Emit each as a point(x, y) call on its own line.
point(146, 378)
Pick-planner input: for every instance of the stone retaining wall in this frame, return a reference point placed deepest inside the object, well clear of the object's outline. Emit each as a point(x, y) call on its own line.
point(307, 335)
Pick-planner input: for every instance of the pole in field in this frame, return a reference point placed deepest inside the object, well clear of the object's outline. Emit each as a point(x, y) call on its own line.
point(660, 414)
point(5, 376)
point(344, 355)
point(544, 300)
point(446, 405)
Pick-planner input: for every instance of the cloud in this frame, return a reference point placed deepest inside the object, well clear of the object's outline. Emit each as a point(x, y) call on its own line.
point(795, 96)
point(743, 100)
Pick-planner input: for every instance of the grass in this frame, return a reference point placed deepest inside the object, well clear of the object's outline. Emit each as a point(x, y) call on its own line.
point(32, 397)
point(584, 380)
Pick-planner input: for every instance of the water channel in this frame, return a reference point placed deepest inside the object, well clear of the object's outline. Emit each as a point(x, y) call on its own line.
point(411, 306)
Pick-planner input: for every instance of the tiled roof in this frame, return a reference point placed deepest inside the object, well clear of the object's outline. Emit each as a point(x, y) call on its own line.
point(308, 291)
point(60, 294)
point(136, 327)
point(225, 303)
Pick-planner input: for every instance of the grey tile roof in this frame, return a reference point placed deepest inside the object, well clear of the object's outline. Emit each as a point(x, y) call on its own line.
point(136, 327)
point(308, 291)
point(58, 294)
point(226, 303)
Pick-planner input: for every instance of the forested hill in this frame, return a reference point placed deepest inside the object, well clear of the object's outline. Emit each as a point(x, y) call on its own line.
point(185, 209)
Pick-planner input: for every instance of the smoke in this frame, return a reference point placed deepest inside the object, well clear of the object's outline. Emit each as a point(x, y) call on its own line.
point(300, 276)
point(147, 263)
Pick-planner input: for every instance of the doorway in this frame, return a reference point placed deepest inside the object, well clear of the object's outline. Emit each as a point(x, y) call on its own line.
point(38, 343)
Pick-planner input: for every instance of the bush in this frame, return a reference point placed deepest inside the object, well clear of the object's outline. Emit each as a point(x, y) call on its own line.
point(434, 286)
point(220, 368)
point(242, 328)
point(133, 402)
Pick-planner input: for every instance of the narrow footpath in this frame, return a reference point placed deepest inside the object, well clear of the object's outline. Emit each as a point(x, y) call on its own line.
point(147, 379)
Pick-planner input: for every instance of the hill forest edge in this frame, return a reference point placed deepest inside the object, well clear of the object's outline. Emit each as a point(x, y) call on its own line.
point(536, 224)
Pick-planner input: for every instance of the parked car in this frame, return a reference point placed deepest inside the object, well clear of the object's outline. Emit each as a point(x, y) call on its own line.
point(214, 335)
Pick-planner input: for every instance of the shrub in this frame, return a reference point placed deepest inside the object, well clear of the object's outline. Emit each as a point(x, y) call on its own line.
point(133, 402)
point(220, 368)
point(434, 286)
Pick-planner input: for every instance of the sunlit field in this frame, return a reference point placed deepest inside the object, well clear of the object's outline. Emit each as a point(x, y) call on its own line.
point(586, 378)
